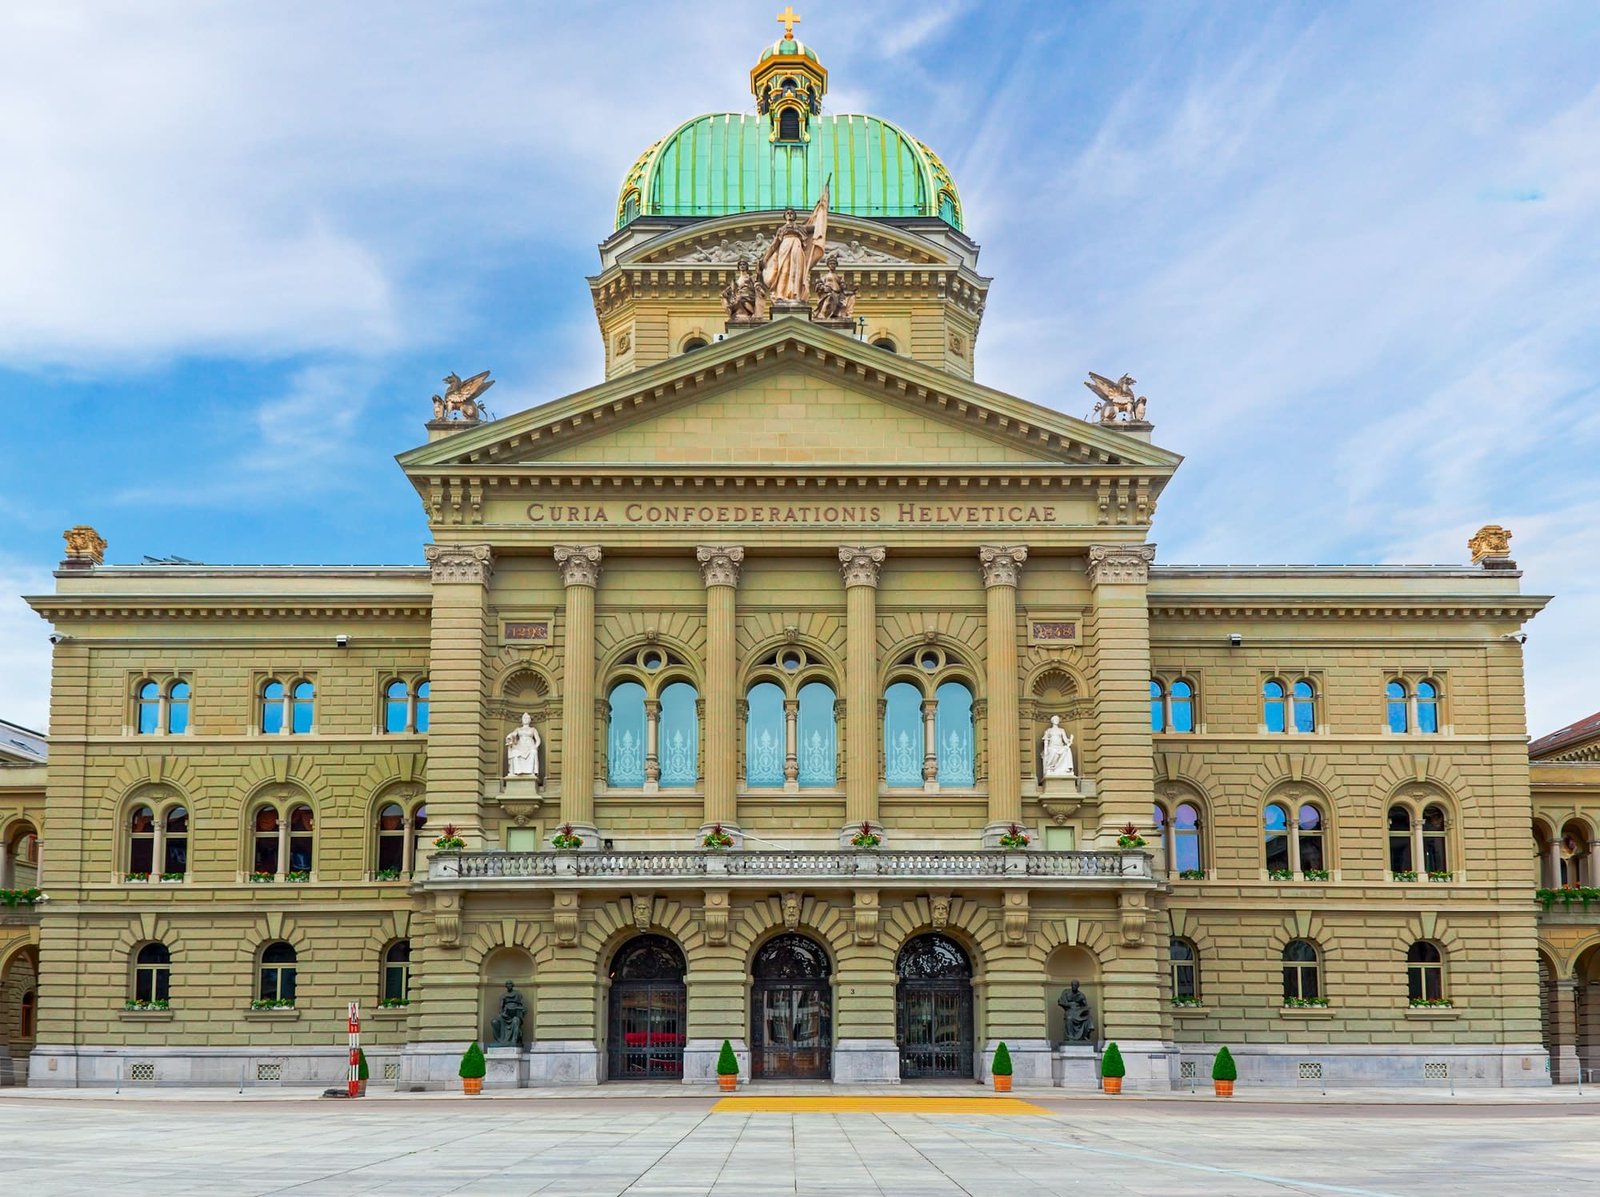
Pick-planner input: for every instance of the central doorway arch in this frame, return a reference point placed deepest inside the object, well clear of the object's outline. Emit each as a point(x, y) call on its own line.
point(791, 1010)
point(649, 1011)
point(933, 1008)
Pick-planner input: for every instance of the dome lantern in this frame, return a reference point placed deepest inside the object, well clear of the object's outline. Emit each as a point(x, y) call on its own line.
point(788, 83)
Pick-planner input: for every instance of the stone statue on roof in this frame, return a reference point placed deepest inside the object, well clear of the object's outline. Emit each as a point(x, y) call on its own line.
point(795, 249)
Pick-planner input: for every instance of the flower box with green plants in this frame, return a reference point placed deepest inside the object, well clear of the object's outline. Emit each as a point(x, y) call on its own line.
point(1295, 1003)
point(1000, 1068)
point(262, 878)
point(566, 840)
point(172, 876)
point(727, 1067)
point(297, 876)
point(1015, 839)
point(1224, 1072)
point(450, 839)
point(386, 875)
point(394, 1003)
point(1403, 875)
point(1441, 875)
point(272, 1004)
point(136, 877)
point(1431, 1003)
point(1567, 895)
point(865, 837)
point(1189, 1002)
point(472, 1070)
point(1130, 838)
point(1280, 874)
point(142, 1004)
point(1191, 875)
point(12, 898)
point(1316, 875)
point(717, 840)
point(1112, 1069)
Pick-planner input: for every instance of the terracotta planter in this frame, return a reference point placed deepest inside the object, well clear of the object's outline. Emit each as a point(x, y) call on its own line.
point(1002, 1084)
point(728, 1081)
point(1224, 1088)
point(361, 1088)
point(471, 1084)
point(1112, 1084)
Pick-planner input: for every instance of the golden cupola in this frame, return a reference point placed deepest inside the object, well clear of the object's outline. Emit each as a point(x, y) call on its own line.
point(789, 84)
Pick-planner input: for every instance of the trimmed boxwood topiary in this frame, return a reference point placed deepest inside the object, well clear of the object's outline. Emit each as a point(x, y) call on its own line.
point(1002, 1061)
point(1111, 1063)
point(1223, 1068)
point(361, 1064)
point(473, 1066)
point(727, 1062)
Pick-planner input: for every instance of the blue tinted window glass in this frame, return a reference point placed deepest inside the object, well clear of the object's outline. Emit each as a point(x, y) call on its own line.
point(953, 728)
point(1272, 697)
point(1158, 714)
point(1182, 701)
point(818, 747)
point(1427, 708)
point(680, 736)
point(149, 709)
point(178, 708)
point(764, 738)
point(1399, 718)
point(1186, 836)
point(902, 735)
point(1305, 707)
point(304, 702)
point(625, 739)
point(424, 690)
point(272, 708)
point(394, 707)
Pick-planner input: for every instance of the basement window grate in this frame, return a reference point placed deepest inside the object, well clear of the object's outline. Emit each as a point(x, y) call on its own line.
point(1188, 1070)
point(1310, 1070)
point(391, 1071)
point(1436, 1070)
point(144, 1071)
point(269, 1072)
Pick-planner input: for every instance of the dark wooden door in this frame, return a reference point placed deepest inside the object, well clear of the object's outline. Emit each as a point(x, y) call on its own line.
point(791, 1010)
point(648, 1022)
point(933, 1009)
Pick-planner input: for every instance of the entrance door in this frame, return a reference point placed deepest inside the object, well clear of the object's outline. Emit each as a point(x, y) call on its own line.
point(933, 1009)
point(649, 1011)
point(791, 1010)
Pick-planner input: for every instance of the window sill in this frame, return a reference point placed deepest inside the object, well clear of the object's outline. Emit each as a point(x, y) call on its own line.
point(1432, 1013)
point(145, 1015)
point(388, 1014)
point(1191, 1011)
point(288, 1014)
point(1306, 1011)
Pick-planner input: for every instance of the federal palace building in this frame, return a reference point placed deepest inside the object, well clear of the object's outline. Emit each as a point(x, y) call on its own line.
point(791, 687)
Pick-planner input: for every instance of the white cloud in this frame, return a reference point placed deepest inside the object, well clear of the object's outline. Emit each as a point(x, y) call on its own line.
point(24, 647)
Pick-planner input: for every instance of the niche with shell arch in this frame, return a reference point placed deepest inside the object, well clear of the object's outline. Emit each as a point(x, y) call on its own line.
point(1055, 692)
point(499, 966)
point(1069, 963)
point(524, 690)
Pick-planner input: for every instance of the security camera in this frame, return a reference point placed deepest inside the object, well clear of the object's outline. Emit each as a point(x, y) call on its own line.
point(57, 638)
point(342, 641)
point(1235, 640)
point(1519, 637)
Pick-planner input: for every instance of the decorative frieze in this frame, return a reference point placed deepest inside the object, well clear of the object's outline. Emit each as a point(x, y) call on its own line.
point(720, 565)
point(460, 562)
point(579, 564)
point(1002, 564)
point(860, 564)
point(1112, 563)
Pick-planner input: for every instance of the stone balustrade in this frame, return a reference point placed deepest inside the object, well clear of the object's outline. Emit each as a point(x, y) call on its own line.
point(813, 868)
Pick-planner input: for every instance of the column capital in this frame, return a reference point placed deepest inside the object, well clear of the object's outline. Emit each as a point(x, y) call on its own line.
point(1001, 564)
point(579, 564)
point(860, 564)
point(459, 562)
point(720, 563)
point(1120, 563)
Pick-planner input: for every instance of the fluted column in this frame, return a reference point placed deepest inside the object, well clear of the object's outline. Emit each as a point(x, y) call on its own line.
point(580, 574)
point(719, 569)
point(1002, 567)
point(860, 566)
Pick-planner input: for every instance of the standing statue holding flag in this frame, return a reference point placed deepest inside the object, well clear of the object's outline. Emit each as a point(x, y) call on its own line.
point(796, 248)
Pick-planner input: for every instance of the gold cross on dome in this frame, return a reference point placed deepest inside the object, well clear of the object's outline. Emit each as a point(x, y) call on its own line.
point(788, 17)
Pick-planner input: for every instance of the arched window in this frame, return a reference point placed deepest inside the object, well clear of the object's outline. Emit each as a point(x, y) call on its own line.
point(1287, 707)
point(625, 749)
point(1428, 694)
point(1273, 700)
point(1178, 825)
point(28, 1020)
point(272, 701)
point(817, 737)
point(1435, 841)
point(267, 828)
point(765, 735)
point(694, 343)
point(283, 842)
point(903, 747)
point(419, 706)
point(396, 707)
point(1399, 704)
point(1311, 834)
point(141, 841)
point(148, 709)
point(302, 827)
point(953, 721)
point(1302, 973)
point(1276, 822)
point(175, 845)
point(1401, 859)
point(1184, 960)
point(1425, 974)
point(1305, 706)
point(789, 125)
point(885, 343)
point(277, 974)
point(177, 708)
point(1419, 839)
point(680, 736)
point(1171, 705)
point(397, 974)
point(396, 830)
point(152, 974)
point(302, 707)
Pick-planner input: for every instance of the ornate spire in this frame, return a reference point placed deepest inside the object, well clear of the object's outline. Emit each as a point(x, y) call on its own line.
point(788, 83)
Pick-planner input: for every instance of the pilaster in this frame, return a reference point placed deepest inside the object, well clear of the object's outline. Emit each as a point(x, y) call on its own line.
point(860, 566)
point(1002, 567)
point(720, 566)
point(580, 575)
point(1123, 765)
point(458, 643)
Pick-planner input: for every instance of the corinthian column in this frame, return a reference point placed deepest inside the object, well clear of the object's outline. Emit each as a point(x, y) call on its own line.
point(719, 569)
point(580, 574)
point(860, 565)
point(1002, 566)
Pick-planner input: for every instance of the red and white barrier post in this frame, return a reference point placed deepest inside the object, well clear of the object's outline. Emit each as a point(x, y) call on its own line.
point(355, 1049)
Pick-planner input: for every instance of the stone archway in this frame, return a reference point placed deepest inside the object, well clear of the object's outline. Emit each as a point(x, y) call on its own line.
point(1586, 978)
point(648, 1016)
point(791, 1010)
point(499, 966)
point(933, 1008)
point(1067, 964)
point(19, 1014)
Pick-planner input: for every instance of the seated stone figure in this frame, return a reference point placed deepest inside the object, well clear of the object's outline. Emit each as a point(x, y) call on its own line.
point(505, 1029)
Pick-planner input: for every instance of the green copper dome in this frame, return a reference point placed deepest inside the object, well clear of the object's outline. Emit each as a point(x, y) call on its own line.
point(724, 163)
point(789, 45)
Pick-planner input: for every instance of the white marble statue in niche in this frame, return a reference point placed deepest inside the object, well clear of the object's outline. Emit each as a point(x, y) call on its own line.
point(522, 749)
point(1056, 755)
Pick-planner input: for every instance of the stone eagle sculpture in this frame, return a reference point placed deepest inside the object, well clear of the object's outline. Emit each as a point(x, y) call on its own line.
point(1116, 398)
point(460, 400)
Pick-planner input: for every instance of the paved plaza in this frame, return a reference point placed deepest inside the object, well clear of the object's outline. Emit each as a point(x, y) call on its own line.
point(425, 1145)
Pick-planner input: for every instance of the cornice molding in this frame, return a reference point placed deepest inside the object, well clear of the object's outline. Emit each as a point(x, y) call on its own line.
point(59, 607)
point(1338, 608)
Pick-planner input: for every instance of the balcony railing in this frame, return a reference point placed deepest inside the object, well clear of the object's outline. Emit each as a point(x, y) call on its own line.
point(813, 867)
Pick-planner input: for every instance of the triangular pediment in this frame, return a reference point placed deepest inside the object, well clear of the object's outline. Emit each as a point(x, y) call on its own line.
point(791, 394)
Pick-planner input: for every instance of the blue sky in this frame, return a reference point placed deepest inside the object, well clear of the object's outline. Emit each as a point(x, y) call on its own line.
point(1349, 251)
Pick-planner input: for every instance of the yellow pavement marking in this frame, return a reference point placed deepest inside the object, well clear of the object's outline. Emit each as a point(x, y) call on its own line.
point(876, 1105)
